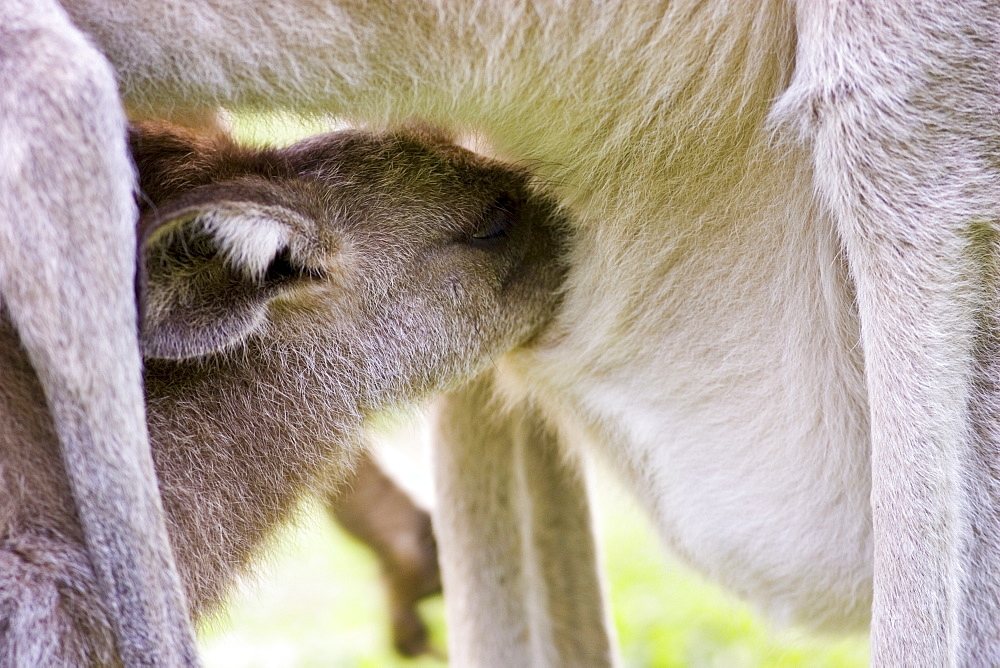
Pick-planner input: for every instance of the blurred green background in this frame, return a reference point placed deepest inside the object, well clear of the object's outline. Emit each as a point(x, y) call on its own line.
point(317, 600)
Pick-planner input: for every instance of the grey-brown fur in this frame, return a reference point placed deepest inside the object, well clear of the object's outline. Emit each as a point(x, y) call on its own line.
point(67, 259)
point(368, 503)
point(384, 298)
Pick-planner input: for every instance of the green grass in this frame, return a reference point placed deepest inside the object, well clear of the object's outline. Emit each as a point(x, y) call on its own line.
point(319, 601)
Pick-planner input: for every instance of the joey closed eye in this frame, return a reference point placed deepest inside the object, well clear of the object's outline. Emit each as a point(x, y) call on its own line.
point(496, 221)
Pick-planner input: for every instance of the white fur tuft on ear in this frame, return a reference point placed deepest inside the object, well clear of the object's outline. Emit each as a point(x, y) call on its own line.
point(248, 235)
point(248, 240)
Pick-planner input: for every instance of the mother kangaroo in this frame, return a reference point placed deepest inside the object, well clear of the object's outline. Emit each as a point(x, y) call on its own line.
point(779, 325)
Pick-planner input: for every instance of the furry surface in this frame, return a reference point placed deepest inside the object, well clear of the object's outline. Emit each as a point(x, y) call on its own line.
point(778, 318)
point(381, 295)
point(67, 262)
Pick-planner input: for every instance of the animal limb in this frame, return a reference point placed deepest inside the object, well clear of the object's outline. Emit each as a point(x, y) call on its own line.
point(904, 138)
point(372, 508)
point(67, 261)
point(518, 552)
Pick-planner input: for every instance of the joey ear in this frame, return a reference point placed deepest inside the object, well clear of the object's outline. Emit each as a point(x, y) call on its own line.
point(208, 270)
point(169, 160)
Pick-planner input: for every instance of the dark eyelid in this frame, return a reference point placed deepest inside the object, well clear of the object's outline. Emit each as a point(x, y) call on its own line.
point(497, 220)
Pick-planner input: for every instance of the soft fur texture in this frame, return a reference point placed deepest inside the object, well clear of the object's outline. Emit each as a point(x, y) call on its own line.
point(369, 504)
point(380, 291)
point(779, 319)
point(67, 262)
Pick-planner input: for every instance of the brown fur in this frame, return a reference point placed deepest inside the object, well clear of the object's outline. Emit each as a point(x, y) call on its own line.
point(382, 298)
point(373, 509)
point(368, 504)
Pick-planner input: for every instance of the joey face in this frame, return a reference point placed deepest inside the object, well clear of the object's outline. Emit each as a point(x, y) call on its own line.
point(406, 253)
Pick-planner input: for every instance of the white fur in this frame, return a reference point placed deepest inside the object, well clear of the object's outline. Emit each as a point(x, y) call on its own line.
point(783, 270)
point(250, 243)
point(248, 236)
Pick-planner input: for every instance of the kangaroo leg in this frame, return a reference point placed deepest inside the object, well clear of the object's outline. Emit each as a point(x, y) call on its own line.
point(67, 262)
point(370, 506)
point(518, 555)
point(899, 101)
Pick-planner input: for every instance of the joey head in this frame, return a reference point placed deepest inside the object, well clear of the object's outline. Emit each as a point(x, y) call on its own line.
point(287, 295)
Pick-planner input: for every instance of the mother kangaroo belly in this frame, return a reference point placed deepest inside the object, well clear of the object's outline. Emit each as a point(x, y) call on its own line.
point(726, 387)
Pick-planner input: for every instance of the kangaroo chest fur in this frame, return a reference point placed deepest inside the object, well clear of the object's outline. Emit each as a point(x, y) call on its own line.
point(708, 346)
